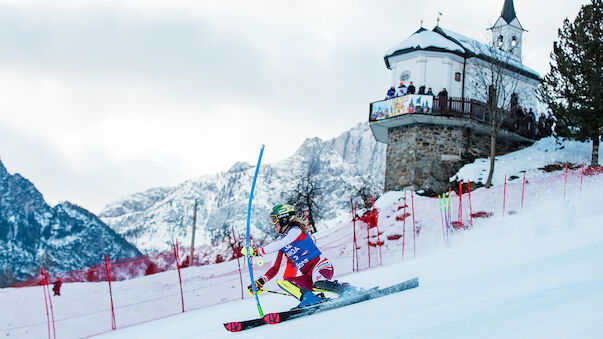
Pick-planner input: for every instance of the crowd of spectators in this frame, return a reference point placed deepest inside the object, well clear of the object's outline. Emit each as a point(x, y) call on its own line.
point(525, 122)
point(402, 90)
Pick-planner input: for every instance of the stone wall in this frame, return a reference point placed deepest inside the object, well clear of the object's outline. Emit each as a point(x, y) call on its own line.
point(425, 156)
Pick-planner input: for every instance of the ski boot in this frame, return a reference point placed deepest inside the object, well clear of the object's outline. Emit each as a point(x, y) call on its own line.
point(306, 298)
point(342, 289)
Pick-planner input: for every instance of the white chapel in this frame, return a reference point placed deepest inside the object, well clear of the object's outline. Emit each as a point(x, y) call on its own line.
point(441, 58)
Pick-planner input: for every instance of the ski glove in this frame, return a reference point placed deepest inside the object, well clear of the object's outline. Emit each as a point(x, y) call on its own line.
point(258, 286)
point(252, 252)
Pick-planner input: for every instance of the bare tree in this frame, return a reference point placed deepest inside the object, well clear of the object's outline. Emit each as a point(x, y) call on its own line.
point(365, 190)
point(496, 81)
point(306, 193)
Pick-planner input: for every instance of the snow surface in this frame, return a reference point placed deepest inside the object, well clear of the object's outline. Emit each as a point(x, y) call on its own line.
point(423, 40)
point(534, 272)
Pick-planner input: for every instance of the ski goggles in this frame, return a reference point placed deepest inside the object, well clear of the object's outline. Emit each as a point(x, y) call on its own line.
point(273, 219)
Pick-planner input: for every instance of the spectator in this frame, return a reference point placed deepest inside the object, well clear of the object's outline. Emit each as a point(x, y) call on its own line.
point(549, 126)
point(57, 287)
point(443, 100)
point(402, 90)
point(519, 120)
point(391, 92)
point(541, 126)
point(411, 88)
point(429, 92)
point(531, 123)
point(421, 90)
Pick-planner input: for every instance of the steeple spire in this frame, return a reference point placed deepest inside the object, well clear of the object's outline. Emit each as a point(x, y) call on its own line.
point(508, 11)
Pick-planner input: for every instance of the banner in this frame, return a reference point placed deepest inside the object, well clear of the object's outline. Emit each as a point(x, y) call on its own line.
point(412, 103)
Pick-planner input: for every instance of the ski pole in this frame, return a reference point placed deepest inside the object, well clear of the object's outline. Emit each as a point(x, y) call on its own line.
point(275, 292)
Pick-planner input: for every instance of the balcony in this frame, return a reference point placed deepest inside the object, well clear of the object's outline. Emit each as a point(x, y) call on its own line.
point(427, 109)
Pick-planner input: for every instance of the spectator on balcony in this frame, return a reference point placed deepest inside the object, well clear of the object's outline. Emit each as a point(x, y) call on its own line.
point(411, 88)
point(429, 92)
point(520, 120)
point(443, 100)
point(391, 92)
point(402, 89)
point(531, 123)
point(422, 90)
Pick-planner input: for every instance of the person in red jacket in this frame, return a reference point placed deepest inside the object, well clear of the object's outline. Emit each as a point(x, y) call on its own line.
point(295, 243)
point(56, 287)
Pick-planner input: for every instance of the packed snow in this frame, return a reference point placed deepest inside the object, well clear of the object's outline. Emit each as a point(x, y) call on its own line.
point(535, 271)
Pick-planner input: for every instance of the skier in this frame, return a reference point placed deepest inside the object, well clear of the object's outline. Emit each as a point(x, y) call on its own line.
point(302, 255)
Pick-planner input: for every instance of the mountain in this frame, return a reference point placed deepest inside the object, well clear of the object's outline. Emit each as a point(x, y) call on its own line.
point(61, 238)
point(152, 218)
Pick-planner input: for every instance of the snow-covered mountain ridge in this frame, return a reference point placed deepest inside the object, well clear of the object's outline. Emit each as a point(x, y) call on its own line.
point(152, 218)
point(60, 238)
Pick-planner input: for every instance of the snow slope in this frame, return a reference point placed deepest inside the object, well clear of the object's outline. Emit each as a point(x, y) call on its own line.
point(537, 272)
point(534, 275)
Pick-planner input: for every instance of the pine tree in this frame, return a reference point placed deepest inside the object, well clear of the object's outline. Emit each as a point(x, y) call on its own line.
point(573, 88)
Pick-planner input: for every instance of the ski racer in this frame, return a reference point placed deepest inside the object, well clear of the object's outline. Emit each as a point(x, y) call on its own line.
point(295, 243)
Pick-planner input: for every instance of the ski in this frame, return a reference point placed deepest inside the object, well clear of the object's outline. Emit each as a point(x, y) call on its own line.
point(279, 317)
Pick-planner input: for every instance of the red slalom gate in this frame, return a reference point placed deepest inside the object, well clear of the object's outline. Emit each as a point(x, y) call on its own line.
point(108, 267)
point(470, 211)
point(414, 231)
point(45, 300)
point(504, 195)
point(404, 225)
point(50, 303)
point(177, 254)
point(565, 182)
point(461, 203)
point(581, 176)
point(523, 186)
point(377, 225)
point(355, 244)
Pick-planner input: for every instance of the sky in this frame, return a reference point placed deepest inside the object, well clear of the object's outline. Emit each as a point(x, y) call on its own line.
point(104, 98)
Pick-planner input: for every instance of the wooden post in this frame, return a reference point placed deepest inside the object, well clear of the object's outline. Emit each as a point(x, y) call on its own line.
point(190, 261)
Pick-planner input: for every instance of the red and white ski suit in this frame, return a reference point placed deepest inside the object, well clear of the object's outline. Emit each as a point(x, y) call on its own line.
point(302, 255)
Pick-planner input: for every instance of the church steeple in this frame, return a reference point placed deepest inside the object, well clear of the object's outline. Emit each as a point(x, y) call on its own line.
point(508, 11)
point(507, 31)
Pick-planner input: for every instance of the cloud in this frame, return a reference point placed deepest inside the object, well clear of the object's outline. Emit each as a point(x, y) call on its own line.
point(112, 97)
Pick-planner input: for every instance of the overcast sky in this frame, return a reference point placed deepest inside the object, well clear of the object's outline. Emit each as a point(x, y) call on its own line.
point(101, 99)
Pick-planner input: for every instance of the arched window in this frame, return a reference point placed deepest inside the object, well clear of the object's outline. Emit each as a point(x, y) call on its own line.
point(500, 41)
point(514, 42)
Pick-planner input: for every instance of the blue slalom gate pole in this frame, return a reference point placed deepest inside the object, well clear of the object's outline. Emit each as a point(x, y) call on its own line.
point(249, 262)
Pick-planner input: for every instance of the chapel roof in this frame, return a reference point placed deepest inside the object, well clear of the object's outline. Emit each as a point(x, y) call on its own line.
point(447, 41)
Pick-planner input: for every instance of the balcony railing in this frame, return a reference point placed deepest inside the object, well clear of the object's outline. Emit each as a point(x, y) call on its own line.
point(452, 107)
